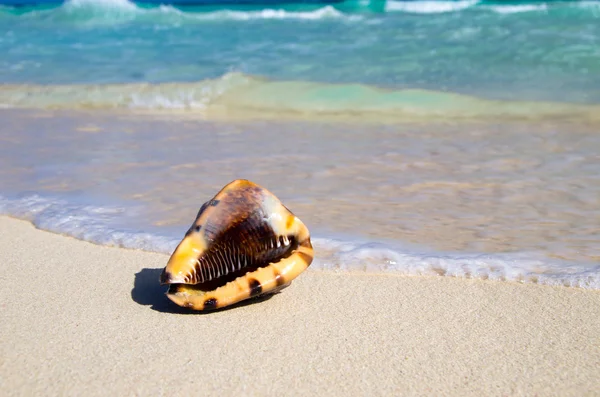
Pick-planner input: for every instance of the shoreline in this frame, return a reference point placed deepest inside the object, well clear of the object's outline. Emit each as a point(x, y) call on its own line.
point(82, 318)
point(421, 204)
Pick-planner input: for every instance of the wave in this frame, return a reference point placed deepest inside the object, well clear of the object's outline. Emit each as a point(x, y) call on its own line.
point(112, 12)
point(440, 6)
point(428, 7)
point(109, 12)
point(541, 7)
point(318, 14)
point(244, 96)
point(103, 225)
point(518, 8)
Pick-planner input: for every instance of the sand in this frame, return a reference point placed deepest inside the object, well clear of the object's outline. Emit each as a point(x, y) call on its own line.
point(80, 319)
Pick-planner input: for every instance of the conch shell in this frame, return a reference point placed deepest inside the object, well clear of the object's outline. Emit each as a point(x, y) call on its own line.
point(244, 243)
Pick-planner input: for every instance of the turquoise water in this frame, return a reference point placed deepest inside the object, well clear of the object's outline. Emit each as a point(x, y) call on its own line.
point(541, 51)
point(467, 128)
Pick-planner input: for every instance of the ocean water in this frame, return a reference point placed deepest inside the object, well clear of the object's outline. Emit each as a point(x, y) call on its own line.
point(457, 138)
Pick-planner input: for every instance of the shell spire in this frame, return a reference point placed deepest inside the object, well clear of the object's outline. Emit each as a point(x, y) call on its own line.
point(243, 243)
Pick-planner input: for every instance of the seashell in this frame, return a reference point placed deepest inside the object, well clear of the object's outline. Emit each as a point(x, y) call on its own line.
point(244, 243)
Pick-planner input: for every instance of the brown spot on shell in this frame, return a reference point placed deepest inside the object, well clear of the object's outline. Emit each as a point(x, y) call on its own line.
point(210, 304)
point(255, 287)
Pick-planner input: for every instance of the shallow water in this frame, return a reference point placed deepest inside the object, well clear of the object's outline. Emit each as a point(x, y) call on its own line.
point(511, 201)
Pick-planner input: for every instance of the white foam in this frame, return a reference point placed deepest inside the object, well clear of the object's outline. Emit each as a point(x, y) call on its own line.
point(91, 12)
point(100, 225)
point(515, 9)
point(318, 14)
point(525, 267)
point(180, 100)
point(122, 4)
point(187, 96)
point(429, 7)
point(111, 226)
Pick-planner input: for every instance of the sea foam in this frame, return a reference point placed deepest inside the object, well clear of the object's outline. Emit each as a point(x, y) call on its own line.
point(518, 8)
point(429, 7)
point(321, 13)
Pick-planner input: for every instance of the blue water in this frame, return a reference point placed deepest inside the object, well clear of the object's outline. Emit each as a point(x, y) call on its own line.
point(537, 51)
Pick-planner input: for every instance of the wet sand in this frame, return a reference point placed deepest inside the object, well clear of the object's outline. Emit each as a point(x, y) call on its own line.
point(81, 319)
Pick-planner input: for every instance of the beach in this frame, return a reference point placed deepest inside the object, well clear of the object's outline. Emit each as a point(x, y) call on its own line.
point(444, 156)
point(82, 319)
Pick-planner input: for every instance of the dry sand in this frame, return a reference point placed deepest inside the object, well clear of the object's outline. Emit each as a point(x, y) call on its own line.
point(80, 319)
